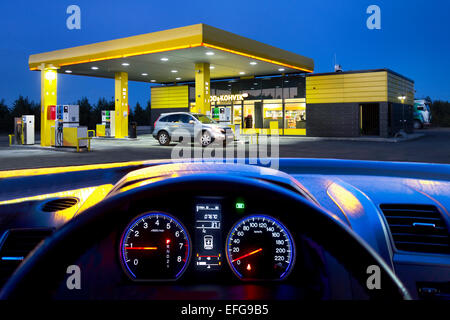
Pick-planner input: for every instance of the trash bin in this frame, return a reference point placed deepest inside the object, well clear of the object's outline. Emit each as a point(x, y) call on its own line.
point(132, 130)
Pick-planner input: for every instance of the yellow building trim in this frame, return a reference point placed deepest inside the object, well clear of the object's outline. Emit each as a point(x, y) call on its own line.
point(295, 132)
point(295, 100)
point(260, 131)
point(257, 58)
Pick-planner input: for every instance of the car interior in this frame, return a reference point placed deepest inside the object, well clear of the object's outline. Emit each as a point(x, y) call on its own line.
point(172, 230)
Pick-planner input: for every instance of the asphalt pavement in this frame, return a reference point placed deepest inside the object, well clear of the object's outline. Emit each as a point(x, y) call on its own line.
point(432, 147)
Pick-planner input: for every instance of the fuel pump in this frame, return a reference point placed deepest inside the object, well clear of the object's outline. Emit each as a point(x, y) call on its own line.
point(18, 130)
point(67, 127)
point(109, 123)
point(28, 129)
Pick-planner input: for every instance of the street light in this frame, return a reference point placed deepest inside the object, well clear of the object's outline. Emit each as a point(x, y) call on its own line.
point(402, 99)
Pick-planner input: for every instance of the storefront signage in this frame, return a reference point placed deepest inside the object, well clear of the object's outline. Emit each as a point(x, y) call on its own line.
point(229, 97)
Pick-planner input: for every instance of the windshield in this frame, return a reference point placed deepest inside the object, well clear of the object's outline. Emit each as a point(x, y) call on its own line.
point(204, 119)
point(183, 153)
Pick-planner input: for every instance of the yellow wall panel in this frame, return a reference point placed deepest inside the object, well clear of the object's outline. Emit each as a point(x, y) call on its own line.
point(366, 99)
point(325, 100)
point(170, 97)
point(398, 86)
point(343, 88)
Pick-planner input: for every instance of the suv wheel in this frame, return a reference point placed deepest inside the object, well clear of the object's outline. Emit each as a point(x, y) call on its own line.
point(205, 139)
point(163, 138)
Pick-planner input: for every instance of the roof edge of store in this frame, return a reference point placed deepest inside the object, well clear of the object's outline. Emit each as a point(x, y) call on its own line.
point(361, 71)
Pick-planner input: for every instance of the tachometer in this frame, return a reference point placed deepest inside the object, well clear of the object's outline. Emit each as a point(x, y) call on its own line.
point(259, 247)
point(155, 246)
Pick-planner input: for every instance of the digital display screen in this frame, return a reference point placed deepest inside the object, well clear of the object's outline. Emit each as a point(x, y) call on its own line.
point(208, 235)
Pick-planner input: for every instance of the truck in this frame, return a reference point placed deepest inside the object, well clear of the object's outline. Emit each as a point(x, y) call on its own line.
point(422, 113)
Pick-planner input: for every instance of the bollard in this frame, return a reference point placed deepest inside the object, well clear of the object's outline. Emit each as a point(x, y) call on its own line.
point(10, 138)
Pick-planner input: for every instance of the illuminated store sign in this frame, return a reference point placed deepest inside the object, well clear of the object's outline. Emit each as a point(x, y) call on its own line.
point(229, 97)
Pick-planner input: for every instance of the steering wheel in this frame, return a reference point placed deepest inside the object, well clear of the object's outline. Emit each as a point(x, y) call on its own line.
point(45, 268)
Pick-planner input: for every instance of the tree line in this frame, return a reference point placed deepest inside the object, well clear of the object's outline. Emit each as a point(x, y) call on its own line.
point(90, 114)
point(440, 112)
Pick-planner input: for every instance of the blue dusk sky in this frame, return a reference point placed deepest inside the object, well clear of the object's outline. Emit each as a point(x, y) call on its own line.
point(413, 40)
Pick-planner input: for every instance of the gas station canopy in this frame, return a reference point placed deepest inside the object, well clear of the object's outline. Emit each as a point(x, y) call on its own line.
point(170, 56)
point(194, 53)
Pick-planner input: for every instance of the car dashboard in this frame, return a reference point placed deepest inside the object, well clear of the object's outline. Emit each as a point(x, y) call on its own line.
point(211, 238)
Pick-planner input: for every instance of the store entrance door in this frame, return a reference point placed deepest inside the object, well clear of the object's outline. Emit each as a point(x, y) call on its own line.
point(370, 119)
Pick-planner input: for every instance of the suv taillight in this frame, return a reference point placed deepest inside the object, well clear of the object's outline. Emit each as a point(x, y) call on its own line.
point(154, 124)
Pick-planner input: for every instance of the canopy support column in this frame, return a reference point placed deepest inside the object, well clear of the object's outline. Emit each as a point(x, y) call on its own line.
point(121, 104)
point(202, 88)
point(49, 79)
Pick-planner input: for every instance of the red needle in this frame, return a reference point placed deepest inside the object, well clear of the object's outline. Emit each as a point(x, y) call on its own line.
point(141, 248)
point(246, 255)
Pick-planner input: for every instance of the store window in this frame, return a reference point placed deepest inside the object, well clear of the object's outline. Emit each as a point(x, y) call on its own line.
point(270, 101)
point(295, 117)
point(259, 115)
point(249, 111)
point(273, 112)
point(237, 113)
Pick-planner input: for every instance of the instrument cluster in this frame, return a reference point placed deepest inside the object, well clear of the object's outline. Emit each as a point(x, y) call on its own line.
point(157, 246)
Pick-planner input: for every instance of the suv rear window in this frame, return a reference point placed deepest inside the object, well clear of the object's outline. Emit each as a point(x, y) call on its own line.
point(172, 118)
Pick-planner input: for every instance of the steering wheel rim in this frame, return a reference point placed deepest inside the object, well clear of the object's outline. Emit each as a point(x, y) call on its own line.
point(34, 275)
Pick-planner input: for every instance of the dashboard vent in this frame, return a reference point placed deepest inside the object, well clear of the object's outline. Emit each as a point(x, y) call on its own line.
point(417, 228)
point(15, 245)
point(59, 204)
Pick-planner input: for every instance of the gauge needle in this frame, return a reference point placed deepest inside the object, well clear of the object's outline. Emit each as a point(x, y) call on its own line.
point(246, 255)
point(141, 248)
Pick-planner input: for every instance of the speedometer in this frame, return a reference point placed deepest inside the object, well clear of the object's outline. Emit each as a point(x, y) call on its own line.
point(155, 246)
point(259, 247)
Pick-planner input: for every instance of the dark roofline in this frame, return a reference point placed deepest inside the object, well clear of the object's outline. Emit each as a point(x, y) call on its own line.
point(275, 75)
point(359, 71)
